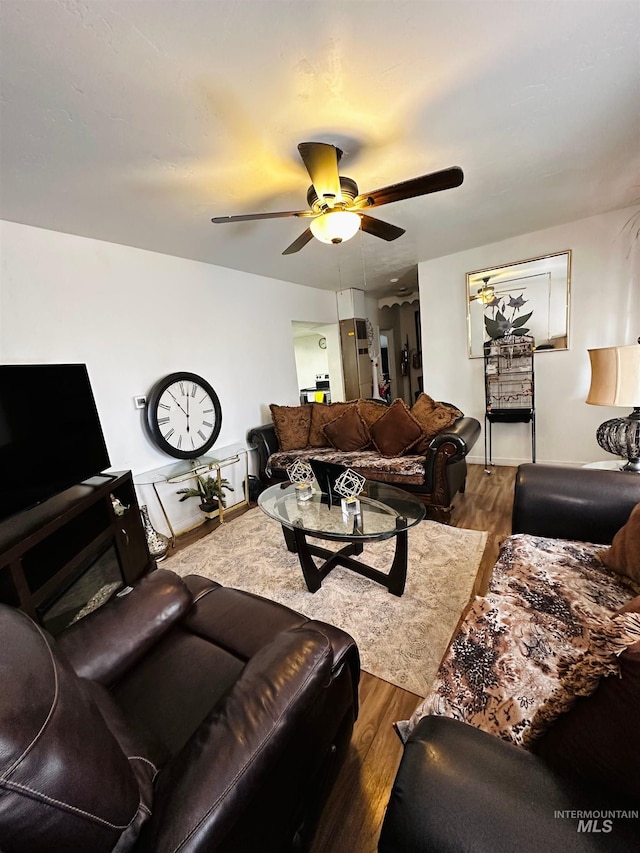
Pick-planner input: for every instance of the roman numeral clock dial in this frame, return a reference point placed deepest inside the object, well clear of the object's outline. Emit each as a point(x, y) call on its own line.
point(183, 415)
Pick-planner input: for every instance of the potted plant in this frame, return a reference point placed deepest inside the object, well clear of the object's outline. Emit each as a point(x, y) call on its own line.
point(209, 491)
point(500, 325)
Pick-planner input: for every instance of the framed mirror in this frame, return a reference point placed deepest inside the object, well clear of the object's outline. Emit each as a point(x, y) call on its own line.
point(526, 297)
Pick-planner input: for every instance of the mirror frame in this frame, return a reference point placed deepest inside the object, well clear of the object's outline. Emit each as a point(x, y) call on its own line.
point(547, 319)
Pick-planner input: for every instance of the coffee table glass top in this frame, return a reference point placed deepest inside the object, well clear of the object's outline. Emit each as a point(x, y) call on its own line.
point(384, 511)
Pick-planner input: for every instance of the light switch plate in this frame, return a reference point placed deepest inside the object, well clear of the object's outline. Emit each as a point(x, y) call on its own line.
point(140, 402)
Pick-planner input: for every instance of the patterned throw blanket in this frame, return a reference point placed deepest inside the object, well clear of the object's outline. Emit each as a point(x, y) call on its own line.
point(545, 634)
point(369, 463)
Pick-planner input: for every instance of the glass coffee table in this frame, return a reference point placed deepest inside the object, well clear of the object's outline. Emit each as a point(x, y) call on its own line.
point(385, 512)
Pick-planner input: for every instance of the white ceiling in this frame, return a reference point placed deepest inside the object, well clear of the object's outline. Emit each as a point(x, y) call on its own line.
point(137, 121)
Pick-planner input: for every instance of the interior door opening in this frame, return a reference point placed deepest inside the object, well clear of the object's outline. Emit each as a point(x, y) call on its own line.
point(402, 361)
point(388, 382)
point(318, 361)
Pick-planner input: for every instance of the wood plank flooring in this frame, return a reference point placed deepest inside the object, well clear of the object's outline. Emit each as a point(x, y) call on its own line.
point(353, 815)
point(355, 810)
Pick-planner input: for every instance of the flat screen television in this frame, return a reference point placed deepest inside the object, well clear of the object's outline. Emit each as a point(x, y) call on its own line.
point(50, 433)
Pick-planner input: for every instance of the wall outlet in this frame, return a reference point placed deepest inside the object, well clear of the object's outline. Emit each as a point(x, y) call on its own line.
point(140, 402)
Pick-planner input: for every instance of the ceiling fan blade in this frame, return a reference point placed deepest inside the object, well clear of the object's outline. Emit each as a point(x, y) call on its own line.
point(321, 162)
point(379, 228)
point(445, 179)
point(299, 243)
point(248, 217)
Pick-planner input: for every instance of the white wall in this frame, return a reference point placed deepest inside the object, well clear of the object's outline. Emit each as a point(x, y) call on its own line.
point(310, 359)
point(604, 311)
point(134, 316)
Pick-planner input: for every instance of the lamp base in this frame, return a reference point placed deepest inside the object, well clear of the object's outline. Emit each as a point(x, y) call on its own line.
point(621, 436)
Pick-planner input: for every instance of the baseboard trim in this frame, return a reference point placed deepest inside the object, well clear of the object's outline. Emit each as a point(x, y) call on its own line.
point(503, 460)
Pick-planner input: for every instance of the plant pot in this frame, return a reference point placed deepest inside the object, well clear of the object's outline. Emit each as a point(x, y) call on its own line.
point(210, 510)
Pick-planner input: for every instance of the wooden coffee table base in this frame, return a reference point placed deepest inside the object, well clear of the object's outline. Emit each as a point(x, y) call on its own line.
point(394, 581)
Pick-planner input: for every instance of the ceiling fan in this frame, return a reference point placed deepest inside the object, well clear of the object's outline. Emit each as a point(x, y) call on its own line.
point(335, 207)
point(487, 292)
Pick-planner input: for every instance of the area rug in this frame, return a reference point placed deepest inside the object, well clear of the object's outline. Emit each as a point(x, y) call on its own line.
point(401, 640)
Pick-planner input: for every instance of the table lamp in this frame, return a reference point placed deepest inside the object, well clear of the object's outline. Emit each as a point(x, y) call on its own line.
point(615, 381)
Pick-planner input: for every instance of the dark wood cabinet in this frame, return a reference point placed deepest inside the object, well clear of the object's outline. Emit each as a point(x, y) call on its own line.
point(46, 551)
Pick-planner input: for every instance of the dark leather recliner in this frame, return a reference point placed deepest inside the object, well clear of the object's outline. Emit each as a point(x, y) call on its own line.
point(461, 789)
point(181, 716)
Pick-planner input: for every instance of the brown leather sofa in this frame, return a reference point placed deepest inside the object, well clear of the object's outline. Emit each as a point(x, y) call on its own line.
point(180, 716)
point(441, 469)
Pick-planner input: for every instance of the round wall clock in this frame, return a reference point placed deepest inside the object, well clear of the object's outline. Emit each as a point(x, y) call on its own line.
point(184, 416)
point(322, 343)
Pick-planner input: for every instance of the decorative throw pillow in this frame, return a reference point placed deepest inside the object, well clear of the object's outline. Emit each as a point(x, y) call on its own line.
point(512, 671)
point(454, 409)
point(370, 411)
point(396, 431)
point(292, 425)
point(623, 556)
point(321, 415)
point(433, 418)
point(348, 431)
point(423, 406)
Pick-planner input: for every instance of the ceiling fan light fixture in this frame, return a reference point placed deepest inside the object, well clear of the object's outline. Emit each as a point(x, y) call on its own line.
point(336, 207)
point(487, 293)
point(335, 226)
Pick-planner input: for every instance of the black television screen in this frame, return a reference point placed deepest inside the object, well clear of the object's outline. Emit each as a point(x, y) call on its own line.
point(50, 433)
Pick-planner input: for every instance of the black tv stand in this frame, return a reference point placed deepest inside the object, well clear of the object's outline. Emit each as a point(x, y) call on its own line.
point(103, 474)
point(46, 549)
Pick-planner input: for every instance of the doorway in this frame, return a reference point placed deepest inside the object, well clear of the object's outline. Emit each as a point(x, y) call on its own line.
point(389, 382)
point(400, 324)
point(316, 349)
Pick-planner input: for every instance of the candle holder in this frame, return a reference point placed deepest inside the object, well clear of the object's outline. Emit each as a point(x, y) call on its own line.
point(301, 475)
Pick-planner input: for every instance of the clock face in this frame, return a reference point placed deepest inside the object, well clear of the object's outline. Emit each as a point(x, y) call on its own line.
point(184, 415)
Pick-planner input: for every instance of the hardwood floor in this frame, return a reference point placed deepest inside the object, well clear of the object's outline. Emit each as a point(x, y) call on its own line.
point(486, 505)
point(353, 815)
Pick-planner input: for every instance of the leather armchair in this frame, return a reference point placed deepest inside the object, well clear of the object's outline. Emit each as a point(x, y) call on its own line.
point(565, 502)
point(460, 789)
point(180, 716)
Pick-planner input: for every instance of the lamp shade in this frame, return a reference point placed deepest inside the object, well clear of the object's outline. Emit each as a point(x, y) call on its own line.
point(615, 376)
point(335, 226)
